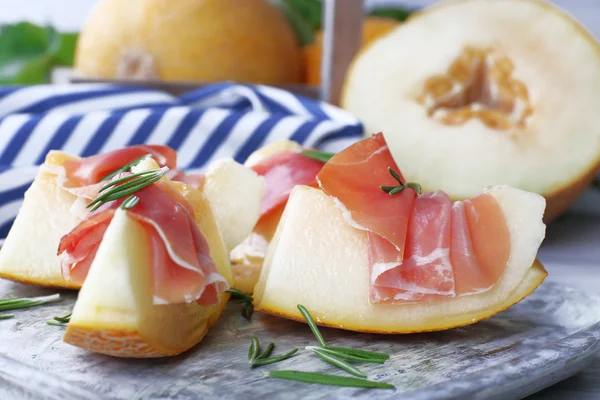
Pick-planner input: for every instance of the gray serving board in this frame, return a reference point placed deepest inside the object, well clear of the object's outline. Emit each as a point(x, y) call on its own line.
point(549, 336)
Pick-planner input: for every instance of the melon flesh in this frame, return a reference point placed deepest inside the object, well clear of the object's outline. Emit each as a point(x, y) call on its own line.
point(235, 193)
point(29, 252)
point(316, 259)
point(545, 70)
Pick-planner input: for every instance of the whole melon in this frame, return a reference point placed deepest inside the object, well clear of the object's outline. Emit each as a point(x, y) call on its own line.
point(189, 40)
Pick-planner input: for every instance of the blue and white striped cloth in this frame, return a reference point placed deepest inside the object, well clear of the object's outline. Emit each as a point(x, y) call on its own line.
point(221, 120)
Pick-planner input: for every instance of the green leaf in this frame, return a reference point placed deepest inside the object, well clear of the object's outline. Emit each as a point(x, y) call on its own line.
point(310, 10)
point(65, 54)
point(305, 33)
point(395, 13)
point(28, 52)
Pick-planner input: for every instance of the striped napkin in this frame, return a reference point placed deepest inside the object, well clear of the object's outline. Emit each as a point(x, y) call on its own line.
point(221, 120)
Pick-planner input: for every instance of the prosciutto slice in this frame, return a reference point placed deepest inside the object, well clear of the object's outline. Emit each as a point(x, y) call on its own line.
point(182, 268)
point(421, 247)
point(90, 170)
point(282, 172)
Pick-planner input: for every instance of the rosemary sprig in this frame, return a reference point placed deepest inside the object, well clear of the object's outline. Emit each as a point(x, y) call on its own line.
point(6, 316)
point(126, 186)
point(317, 155)
point(348, 355)
point(124, 168)
point(246, 300)
point(312, 325)
point(60, 321)
point(392, 190)
point(325, 379)
point(130, 202)
point(16, 304)
point(332, 359)
point(256, 360)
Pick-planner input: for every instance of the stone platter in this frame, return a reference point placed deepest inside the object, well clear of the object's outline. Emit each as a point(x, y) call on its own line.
point(549, 336)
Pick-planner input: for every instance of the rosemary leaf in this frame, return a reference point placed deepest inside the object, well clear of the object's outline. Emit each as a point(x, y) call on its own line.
point(415, 186)
point(55, 323)
point(124, 168)
point(387, 189)
point(325, 379)
point(312, 325)
point(253, 350)
point(246, 300)
point(16, 304)
point(317, 155)
point(395, 176)
point(63, 320)
point(130, 202)
point(127, 178)
point(359, 353)
point(248, 310)
point(267, 352)
point(348, 356)
point(7, 316)
point(267, 361)
point(239, 294)
point(397, 189)
point(349, 368)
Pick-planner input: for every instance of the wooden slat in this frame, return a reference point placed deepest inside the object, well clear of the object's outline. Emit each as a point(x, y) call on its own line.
point(342, 22)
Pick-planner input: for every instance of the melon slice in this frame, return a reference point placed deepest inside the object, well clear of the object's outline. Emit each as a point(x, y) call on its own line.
point(474, 93)
point(49, 212)
point(29, 252)
point(247, 258)
point(115, 312)
point(331, 278)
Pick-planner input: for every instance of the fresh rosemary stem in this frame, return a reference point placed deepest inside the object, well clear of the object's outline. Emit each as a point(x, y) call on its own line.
point(16, 304)
point(317, 155)
point(349, 368)
point(312, 325)
point(325, 379)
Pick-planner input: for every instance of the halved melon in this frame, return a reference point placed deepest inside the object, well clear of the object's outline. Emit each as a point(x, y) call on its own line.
point(29, 252)
point(318, 260)
point(115, 313)
point(474, 93)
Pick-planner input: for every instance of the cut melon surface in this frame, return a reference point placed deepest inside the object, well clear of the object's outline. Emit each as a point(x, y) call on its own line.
point(316, 259)
point(472, 93)
point(235, 193)
point(248, 256)
point(115, 312)
point(29, 252)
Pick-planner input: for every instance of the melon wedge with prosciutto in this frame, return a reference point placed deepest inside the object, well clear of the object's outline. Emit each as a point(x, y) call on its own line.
point(154, 277)
point(55, 204)
point(399, 263)
point(282, 166)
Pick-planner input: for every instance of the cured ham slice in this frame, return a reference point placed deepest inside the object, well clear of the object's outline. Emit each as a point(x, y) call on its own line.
point(90, 170)
point(421, 247)
point(182, 268)
point(282, 172)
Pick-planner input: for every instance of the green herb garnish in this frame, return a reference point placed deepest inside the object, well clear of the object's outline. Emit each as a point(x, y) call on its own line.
point(332, 359)
point(130, 202)
point(253, 350)
point(256, 360)
point(312, 325)
point(317, 155)
point(60, 321)
point(7, 316)
point(245, 299)
point(392, 190)
point(128, 185)
point(349, 354)
point(325, 379)
point(365, 354)
point(125, 168)
point(17, 304)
